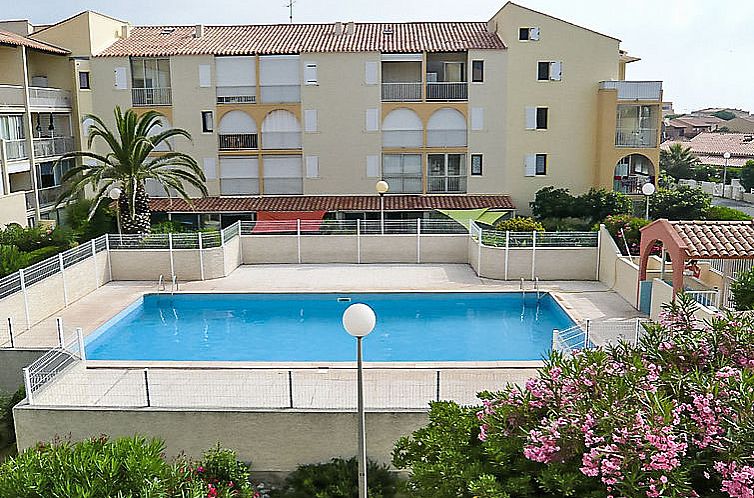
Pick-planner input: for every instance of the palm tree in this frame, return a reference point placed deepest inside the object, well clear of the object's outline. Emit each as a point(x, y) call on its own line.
point(678, 161)
point(128, 164)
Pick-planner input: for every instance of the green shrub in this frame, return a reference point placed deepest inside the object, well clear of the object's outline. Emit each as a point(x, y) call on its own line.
point(743, 290)
point(747, 175)
point(557, 203)
point(725, 213)
point(681, 203)
point(41, 254)
point(221, 467)
point(337, 479)
point(77, 218)
point(11, 259)
point(567, 224)
point(169, 227)
point(520, 224)
point(25, 239)
point(626, 231)
point(551, 202)
point(7, 429)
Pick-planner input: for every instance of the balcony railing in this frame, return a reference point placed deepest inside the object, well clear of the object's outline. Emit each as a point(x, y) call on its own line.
point(281, 140)
point(444, 90)
point(49, 97)
point(11, 96)
point(49, 196)
point(236, 94)
point(447, 184)
point(402, 138)
point(143, 97)
point(631, 184)
point(15, 149)
point(636, 137)
point(635, 90)
point(239, 186)
point(402, 92)
point(238, 141)
point(446, 138)
point(280, 94)
point(51, 147)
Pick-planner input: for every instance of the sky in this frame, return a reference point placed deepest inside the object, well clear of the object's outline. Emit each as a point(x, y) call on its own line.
point(692, 45)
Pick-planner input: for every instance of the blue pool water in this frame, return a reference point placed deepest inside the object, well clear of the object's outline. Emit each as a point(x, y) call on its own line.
point(307, 327)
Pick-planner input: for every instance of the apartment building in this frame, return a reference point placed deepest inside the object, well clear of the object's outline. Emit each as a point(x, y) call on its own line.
point(307, 118)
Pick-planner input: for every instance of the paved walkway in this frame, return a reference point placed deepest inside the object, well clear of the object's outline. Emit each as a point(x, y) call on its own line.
point(740, 205)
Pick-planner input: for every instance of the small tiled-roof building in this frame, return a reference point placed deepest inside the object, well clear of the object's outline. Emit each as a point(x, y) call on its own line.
point(709, 148)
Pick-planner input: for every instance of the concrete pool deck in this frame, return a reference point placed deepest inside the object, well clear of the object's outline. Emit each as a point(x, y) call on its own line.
point(581, 299)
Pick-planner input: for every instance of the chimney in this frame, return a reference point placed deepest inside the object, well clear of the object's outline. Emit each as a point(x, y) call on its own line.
point(125, 31)
point(199, 32)
point(338, 28)
point(350, 28)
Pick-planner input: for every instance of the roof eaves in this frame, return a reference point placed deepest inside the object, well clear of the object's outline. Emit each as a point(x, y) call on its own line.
point(559, 19)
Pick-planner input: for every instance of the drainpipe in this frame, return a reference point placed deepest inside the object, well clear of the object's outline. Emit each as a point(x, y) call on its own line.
point(30, 136)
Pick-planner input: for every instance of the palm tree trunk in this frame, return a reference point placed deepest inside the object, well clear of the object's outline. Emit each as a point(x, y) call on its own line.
point(140, 223)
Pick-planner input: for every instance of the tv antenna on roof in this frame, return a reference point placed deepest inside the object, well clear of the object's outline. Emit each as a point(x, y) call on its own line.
point(290, 9)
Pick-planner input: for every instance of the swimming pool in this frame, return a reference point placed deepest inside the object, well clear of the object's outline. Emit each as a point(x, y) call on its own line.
point(438, 327)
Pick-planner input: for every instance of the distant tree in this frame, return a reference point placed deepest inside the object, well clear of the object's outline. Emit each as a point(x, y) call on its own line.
point(722, 129)
point(551, 202)
point(747, 175)
point(599, 203)
point(678, 161)
point(726, 115)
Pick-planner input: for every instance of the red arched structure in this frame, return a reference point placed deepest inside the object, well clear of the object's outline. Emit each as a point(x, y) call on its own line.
point(663, 231)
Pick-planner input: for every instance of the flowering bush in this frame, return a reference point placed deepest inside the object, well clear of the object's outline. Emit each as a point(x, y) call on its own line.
point(673, 417)
point(626, 230)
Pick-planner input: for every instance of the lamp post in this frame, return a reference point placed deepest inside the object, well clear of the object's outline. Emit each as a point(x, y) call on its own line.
point(726, 156)
point(359, 320)
point(648, 189)
point(115, 194)
point(382, 187)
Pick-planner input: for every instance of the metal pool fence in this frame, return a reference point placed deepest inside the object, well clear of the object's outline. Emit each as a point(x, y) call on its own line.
point(595, 333)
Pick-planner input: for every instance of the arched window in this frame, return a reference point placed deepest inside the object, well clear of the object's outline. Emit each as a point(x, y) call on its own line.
point(402, 128)
point(446, 128)
point(237, 130)
point(632, 172)
point(281, 130)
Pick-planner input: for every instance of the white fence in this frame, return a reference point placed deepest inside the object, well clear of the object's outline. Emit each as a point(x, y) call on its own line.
point(597, 333)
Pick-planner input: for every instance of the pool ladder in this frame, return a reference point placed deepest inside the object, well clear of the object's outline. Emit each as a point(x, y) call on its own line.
point(162, 287)
point(161, 284)
point(536, 288)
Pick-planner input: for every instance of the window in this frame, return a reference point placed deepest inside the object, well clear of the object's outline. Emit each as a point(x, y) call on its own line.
point(549, 70)
point(205, 75)
point(446, 173)
point(541, 164)
point(150, 73)
point(536, 118)
point(310, 73)
point(477, 71)
point(476, 164)
point(312, 166)
point(84, 80)
point(403, 172)
point(208, 122)
point(541, 118)
point(528, 34)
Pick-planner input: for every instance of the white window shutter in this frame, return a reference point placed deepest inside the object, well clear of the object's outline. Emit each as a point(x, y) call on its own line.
point(531, 118)
point(477, 118)
point(205, 75)
point(530, 165)
point(310, 73)
point(370, 72)
point(210, 168)
point(310, 120)
point(556, 70)
point(121, 80)
point(533, 34)
point(373, 119)
point(373, 166)
point(312, 166)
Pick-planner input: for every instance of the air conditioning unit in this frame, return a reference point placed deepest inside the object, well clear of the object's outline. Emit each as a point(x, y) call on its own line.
point(431, 77)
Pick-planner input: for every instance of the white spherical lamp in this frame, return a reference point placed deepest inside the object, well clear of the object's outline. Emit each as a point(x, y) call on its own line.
point(726, 155)
point(648, 189)
point(382, 187)
point(115, 193)
point(359, 320)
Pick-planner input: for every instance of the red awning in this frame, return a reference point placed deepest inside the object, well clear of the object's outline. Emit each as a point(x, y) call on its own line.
point(287, 221)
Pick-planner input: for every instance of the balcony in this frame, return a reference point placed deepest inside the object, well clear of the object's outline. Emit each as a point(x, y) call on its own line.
point(49, 196)
point(11, 96)
point(635, 90)
point(238, 141)
point(446, 138)
point(281, 140)
point(406, 139)
point(236, 95)
point(402, 92)
point(280, 94)
point(632, 184)
point(52, 147)
point(15, 150)
point(147, 97)
point(445, 90)
point(49, 98)
point(636, 137)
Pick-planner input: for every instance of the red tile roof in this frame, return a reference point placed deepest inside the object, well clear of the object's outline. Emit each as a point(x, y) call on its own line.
point(717, 144)
point(331, 203)
point(16, 40)
point(717, 239)
point(161, 41)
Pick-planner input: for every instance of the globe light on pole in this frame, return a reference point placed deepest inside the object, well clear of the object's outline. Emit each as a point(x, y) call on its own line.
point(115, 194)
point(648, 189)
point(382, 188)
point(359, 320)
point(726, 156)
